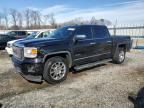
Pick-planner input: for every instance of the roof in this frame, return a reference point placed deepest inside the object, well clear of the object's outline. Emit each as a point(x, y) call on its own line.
point(86, 25)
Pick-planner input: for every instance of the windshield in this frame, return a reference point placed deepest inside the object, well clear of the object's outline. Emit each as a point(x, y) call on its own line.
point(61, 33)
point(32, 35)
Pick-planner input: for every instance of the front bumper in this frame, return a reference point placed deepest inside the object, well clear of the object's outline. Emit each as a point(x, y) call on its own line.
point(29, 69)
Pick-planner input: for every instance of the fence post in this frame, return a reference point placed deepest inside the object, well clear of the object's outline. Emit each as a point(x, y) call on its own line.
point(114, 30)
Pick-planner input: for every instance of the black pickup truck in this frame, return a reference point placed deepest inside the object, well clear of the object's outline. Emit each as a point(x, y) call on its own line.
point(75, 47)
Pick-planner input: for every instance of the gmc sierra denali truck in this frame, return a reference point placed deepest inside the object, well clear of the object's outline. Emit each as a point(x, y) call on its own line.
point(75, 47)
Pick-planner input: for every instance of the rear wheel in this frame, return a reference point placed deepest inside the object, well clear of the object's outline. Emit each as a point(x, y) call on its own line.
point(119, 56)
point(55, 70)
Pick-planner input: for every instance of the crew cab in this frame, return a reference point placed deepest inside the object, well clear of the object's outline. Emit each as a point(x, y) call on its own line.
point(75, 47)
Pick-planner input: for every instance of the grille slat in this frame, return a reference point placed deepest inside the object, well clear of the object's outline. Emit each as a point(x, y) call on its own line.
point(18, 52)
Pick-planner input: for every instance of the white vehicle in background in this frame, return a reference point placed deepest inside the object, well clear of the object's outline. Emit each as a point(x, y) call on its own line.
point(34, 35)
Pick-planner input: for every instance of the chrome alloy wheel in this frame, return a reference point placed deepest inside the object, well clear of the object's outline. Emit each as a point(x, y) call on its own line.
point(58, 70)
point(121, 56)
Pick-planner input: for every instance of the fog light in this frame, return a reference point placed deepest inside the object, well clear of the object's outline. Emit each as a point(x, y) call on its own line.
point(31, 68)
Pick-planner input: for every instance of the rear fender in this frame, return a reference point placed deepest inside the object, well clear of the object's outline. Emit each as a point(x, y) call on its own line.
point(117, 49)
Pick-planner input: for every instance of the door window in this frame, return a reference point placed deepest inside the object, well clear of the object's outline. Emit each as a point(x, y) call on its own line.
point(22, 33)
point(84, 30)
point(46, 34)
point(100, 32)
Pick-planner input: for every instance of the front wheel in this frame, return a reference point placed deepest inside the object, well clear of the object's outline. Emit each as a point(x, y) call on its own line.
point(55, 70)
point(119, 56)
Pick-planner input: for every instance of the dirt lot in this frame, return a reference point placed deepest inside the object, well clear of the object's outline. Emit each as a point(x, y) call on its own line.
point(105, 86)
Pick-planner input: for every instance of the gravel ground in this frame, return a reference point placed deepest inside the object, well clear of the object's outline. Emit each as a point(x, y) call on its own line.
point(105, 86)
point(5, 62)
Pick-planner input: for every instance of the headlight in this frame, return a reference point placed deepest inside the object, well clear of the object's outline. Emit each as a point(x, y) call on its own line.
point(30, 52)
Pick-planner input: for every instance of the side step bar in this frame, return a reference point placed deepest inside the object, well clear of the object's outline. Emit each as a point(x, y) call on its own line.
point(89, 65)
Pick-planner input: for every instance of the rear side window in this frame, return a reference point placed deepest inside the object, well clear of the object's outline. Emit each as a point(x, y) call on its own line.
point(84, 30)
point(21, 33)
point(100, 32)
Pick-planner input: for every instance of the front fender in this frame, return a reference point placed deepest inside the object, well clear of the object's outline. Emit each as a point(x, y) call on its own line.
point(68, 56)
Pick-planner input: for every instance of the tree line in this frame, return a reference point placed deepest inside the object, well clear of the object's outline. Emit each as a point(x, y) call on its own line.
point(34, 19)
point(27, 19)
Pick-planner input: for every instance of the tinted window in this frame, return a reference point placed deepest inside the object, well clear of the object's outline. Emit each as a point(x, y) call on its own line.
point(32, 35)
point(44, 34)
point(40, 35)
point(100, 32)
point(61, 33)
point(84, 30)
point(22, 33)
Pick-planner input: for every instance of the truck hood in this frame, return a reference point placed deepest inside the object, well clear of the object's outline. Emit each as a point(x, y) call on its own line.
point(38, 42)
point(13, 41)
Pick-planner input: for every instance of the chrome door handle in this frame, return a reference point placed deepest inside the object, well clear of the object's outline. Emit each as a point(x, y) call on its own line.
point(93, 43)
point(109, 41)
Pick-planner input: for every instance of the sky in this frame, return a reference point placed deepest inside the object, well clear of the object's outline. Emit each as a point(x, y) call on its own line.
point(124, 11)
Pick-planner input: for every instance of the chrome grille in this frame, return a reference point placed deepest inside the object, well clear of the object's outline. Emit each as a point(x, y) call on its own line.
point(18, 52)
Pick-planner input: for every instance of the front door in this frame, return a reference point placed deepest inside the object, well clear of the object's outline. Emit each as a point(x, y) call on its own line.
point(83, 49)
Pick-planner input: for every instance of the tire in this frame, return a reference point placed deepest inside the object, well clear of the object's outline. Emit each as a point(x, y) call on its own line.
point(55, 70)
point(119, 56)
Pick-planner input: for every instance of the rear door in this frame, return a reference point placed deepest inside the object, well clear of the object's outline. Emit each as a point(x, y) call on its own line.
point(83, 49)
point(103, 42)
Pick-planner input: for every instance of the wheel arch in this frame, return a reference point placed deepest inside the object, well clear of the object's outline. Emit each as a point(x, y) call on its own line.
point(121, 45)
point(64, 54)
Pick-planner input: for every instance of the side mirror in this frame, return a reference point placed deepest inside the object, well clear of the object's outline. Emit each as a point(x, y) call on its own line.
point(80, 37)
